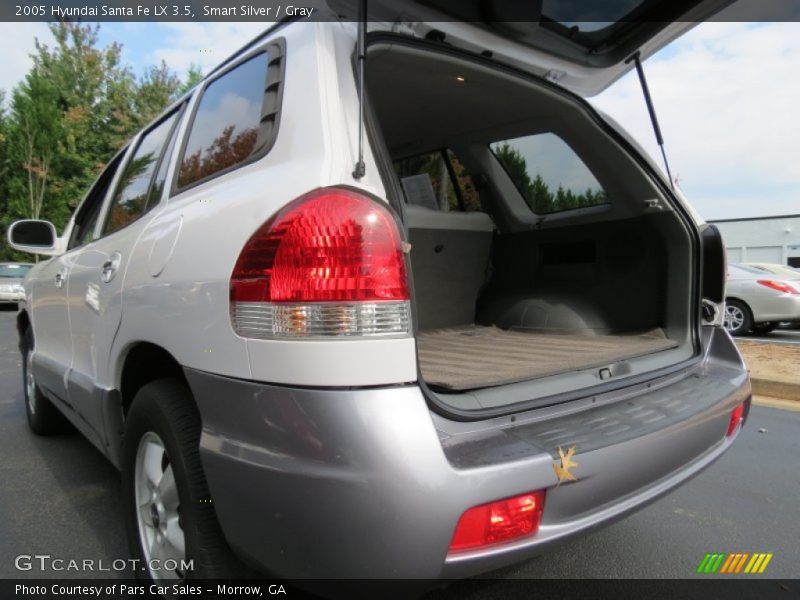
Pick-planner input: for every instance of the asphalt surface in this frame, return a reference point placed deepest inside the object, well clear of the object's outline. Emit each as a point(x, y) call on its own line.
point(59, 496)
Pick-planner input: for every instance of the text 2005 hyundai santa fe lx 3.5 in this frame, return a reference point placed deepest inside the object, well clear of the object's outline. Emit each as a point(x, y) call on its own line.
point(415, 357)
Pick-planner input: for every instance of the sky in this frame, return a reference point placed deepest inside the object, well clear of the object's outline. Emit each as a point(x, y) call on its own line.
point(726, 94)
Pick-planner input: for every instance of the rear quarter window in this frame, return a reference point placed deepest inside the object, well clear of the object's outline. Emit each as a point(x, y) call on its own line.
point(438, 180)
point(548, 173)
point(235, 120)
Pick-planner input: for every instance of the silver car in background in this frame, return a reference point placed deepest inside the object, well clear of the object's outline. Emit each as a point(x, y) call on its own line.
point(780, 270)
point(11, 276)
point(758, 301)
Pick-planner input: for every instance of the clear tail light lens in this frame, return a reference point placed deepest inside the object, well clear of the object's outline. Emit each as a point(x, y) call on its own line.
point(329, 264)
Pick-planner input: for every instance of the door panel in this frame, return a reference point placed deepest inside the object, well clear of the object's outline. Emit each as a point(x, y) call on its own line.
point(98, 273)
point(51, 332)
point(95, 310)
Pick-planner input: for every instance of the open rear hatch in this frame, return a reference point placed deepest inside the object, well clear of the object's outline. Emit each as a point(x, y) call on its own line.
point(582, 44)
point(547, 257)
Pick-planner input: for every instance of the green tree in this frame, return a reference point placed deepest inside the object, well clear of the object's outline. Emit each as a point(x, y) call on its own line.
point(517, 169)
point(542, 199)
point(193, 77)
point(4, 159)
point(75, 108)
point(34, 131)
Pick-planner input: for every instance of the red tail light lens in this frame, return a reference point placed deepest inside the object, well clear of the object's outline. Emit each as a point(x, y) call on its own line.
point(330, 263)
point(736, 419)
point(778, 286)
point(332, 244)
point(498, 522)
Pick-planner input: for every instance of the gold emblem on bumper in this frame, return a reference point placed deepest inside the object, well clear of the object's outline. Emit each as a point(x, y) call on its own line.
point(563, 470)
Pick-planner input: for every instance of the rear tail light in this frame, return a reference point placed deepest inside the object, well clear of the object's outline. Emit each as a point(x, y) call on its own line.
point(737, 417)
point(498, 522)
point(778, 286)
point(329, 264)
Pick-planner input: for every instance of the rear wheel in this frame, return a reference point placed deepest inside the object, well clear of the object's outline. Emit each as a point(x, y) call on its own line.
point(763, 328)
point(43, 417)
point(738, 320)
point(172, 526)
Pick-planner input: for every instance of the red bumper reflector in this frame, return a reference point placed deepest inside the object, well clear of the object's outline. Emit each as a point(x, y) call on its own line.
point(736, 419)
point(498, 522)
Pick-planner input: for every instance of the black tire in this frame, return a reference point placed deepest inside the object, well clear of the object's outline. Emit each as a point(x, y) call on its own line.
point(43, 417)
point(764, 328)
point(166, 408)
point(738, 318)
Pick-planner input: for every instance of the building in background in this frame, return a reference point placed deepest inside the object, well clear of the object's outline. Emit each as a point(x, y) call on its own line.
point(762, 239)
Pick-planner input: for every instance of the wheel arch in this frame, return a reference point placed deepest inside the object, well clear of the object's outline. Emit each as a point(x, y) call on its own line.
point(23, 323)
point(741, 301)
point(142, 363)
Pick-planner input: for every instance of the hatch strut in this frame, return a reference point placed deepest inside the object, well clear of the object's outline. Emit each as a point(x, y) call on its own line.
point(361, 53)
point(636, 59)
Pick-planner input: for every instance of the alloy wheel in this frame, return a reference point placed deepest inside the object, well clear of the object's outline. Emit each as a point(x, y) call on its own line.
point(158, 510)
point(734, 318)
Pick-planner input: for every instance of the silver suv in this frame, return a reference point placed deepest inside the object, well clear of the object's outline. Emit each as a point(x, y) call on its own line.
point(490, 328)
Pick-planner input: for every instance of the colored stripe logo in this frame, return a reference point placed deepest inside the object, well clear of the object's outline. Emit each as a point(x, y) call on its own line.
point(737, 562)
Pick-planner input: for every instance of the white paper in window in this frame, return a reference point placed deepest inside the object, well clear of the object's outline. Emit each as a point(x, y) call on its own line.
point(419, 191)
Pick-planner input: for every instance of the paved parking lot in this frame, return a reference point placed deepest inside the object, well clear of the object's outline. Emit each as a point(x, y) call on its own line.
point(779, 336)
point(59, 496)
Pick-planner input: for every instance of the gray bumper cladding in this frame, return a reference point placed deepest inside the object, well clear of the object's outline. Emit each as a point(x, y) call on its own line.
point(368, 483)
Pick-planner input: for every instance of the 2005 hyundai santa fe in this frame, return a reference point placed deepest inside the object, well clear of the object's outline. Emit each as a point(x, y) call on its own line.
point(499, 330)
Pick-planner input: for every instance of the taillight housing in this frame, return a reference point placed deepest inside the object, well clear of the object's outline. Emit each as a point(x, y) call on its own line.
point(498, 522)
point(778, 286)
point(329, 264)
point(737, 418)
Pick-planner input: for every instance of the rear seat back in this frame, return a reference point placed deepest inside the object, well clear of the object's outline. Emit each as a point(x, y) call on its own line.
point(450, 254)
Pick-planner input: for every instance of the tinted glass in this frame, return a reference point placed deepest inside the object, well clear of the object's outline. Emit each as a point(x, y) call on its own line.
point(225, 126)
point(588, 15)
point(438, 180)
point(16, 271)
point(548, 173)
point(86, 219)
point(86, 232)
point(154, 196)
point(130, 199)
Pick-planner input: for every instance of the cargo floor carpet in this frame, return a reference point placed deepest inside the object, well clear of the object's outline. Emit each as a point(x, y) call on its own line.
point(469, 357)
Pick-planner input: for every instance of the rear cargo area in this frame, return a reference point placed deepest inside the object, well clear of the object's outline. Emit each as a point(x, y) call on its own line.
point(463, 358)
point(544, 260)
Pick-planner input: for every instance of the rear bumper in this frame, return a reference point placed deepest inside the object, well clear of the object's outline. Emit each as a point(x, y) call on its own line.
point(368, 483)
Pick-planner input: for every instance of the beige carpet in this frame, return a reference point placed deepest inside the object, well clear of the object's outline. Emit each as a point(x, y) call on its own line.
point(463, 358)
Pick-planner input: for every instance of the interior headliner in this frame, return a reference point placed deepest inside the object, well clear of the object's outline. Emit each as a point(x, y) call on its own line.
point(422, 104)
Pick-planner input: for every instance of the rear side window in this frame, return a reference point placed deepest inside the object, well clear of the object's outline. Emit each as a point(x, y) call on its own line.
point(438, 180)
point(548, 173)
point(133, 190)
point(236, 118)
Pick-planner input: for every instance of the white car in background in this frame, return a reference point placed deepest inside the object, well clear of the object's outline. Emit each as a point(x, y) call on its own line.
point(781, 270)
point(758, 301)
point(11, 276)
